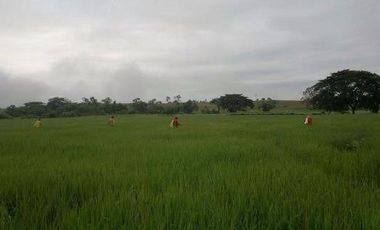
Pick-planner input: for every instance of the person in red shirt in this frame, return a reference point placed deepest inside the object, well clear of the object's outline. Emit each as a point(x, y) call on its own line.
point(308, 120)
point(174, 123)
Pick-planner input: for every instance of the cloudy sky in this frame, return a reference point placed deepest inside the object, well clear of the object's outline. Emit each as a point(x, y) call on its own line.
point(199, 49)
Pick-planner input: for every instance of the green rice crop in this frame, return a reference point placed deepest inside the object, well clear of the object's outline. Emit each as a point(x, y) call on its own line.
point(213, 172)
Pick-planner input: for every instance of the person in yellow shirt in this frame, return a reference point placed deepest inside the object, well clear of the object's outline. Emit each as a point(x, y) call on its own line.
point(38, 123)
point(111, 121)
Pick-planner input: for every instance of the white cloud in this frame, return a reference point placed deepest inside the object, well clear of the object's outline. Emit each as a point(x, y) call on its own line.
point(199, 49)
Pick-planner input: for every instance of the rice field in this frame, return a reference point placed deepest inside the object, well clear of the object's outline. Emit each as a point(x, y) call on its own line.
point(213, 172)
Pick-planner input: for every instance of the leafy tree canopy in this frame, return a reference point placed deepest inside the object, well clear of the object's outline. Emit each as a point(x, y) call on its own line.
point(266, 104)
point(346, 90)
point(235, 102)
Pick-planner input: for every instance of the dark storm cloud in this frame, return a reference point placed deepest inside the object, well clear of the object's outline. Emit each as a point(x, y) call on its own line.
point(199, 49)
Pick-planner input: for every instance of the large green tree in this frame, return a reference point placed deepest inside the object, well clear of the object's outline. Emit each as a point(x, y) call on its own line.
point(266, 104)
point(346, 90)
point(57, 105)
point(235, 102)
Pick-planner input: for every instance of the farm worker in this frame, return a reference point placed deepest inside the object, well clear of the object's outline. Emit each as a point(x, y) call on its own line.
point(174, 123)
point(308, 120)
point(111, 121)
point(38, 123)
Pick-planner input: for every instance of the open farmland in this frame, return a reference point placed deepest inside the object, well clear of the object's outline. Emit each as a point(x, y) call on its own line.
point(214, 172)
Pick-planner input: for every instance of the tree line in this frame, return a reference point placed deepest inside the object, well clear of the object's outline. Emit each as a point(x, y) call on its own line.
point(346, 90)
point(62, 107)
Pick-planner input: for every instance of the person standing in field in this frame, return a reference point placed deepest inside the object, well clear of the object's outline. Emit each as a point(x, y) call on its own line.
point(111, 121)
point(174, 123)
point(308, 120)
point(38, 123)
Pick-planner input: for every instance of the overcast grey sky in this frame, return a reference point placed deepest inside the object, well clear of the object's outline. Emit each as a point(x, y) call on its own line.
point(199, 48)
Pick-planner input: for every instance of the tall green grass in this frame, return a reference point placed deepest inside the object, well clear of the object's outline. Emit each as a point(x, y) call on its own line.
point(214, 172)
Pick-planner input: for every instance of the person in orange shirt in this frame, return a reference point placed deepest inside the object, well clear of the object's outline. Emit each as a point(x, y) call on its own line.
point(174, 123)
point(308, 120)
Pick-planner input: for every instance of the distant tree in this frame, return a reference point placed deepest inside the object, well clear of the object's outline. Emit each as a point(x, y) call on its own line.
point(216, 101)
point(139, 106)
point(85, 100)
point(152, 101)
point(167, 99)
point(35, 108)
point(171, 109)
point(56, 102)
point(107, 105)
point(205, 109)
point(114, 107)
point(4, 114)
point(177, 103)
point(136, 100)
point(266, 104)
point(235, 102)
point(118, 108)
point(345, 90)
point(13, 111)
point(61, 107)
point(71, 109)
point(93, 101)
point(155, 106)
point(190, 106)
point(56, 106)
point(177, 98)
point(107, 101)
point(90, 106)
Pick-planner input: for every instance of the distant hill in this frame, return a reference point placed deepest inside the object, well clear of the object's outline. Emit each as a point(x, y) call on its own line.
point(290, 104)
